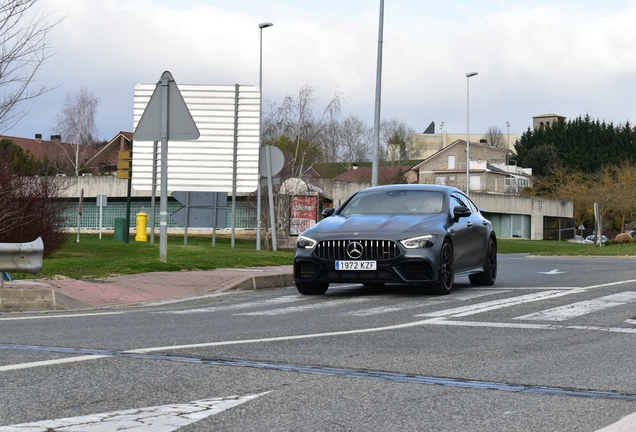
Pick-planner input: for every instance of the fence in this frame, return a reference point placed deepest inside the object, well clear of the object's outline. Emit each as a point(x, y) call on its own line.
point(116, 208)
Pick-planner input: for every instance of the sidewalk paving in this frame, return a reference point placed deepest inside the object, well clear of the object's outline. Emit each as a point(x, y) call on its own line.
point(22, 295)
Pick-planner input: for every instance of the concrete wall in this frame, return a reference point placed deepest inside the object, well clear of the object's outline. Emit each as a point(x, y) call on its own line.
point(537, 208)
point(108, 185)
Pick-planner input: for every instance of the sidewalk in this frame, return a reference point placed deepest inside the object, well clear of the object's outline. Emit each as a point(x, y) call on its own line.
point(40, 294)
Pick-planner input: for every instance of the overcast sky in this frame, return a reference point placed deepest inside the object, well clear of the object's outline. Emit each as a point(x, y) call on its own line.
point(571, 57)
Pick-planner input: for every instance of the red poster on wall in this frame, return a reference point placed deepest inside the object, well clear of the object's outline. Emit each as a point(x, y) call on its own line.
point(302, 214)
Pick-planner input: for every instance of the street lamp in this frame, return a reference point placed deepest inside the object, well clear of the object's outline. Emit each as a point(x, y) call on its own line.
point(260, 137)
point(508, 125)
point(468, 75)
point(441, 132)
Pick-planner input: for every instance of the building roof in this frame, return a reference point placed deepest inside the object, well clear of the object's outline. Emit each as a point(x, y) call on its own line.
point(549, 115)
point(112, 146)
point(386, 174)
point(52, 149)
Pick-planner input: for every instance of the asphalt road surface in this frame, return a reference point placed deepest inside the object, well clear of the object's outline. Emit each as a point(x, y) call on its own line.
point(550, 347)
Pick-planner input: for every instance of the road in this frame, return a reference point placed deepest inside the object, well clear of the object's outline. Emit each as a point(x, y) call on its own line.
point(550, 347)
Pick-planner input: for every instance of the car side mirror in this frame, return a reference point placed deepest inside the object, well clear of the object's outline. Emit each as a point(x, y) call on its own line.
point(460, 212)
point(328, 212)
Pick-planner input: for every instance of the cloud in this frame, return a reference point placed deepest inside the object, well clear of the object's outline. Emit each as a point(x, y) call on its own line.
point(532, 56)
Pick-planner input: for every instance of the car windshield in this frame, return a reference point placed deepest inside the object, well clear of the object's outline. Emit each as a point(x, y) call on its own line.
point(395, 201)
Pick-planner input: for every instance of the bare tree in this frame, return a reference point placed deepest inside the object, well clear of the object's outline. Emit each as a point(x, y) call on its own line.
point(76, 123)
point(25, 48)
point(354, 141)
point(494, 137)
point(397, 138)
point(311, 130)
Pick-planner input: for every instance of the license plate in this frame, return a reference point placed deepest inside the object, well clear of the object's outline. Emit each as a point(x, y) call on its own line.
point(356, 265)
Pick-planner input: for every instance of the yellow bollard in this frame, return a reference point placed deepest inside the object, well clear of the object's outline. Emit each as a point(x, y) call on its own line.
point(141, 227)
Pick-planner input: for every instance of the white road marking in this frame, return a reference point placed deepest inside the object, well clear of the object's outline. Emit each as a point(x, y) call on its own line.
point(563, 313)
point(462, 296)
point(626, 424)
point(630, 321)
point(294, 309)
point(552, 272)
point(158, 418)
point(386, 309)
point(531, 326)
point(50, 362)
point(496, 304)
point(61, 316)
point(248, 305)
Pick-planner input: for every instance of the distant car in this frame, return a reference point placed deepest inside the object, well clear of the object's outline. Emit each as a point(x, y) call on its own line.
point(576, 239)
point(417, 234)
point(590, 239)
point(632, 233)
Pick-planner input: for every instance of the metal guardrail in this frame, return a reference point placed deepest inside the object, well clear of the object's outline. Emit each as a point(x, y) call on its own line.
point(21, 257)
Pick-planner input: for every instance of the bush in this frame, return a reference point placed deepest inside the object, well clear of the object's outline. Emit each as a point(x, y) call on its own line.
point(623, 238)
point(30, 207)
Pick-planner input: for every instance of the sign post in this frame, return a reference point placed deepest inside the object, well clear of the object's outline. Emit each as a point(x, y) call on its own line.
point(101, 203)
point(270, 162)
point(166, 117)
point(79, 215)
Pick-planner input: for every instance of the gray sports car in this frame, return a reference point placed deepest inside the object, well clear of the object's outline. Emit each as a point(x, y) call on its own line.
point(422, 234)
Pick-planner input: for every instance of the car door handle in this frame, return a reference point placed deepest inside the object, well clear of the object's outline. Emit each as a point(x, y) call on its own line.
point(485, 223)
point(469, 224)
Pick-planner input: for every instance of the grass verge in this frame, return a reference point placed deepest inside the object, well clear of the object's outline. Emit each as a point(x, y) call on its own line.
point(95, 258)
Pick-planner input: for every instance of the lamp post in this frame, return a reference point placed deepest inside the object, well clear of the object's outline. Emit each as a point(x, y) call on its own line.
point(260, 136)
point(468, 75)
point(378, 94)
point(508, 126)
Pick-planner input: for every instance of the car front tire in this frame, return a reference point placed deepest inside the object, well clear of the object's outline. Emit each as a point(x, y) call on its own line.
point(312, 288)
point(446, 269)
point(489, 275)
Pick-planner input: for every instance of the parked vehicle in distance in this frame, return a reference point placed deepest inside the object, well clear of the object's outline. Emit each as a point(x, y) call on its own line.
point(590, 239)
point(416, 234)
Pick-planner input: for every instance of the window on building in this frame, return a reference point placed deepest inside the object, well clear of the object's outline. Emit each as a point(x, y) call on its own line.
point(451, 162)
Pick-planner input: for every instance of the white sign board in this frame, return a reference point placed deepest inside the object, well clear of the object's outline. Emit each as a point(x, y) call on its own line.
point(205, 164)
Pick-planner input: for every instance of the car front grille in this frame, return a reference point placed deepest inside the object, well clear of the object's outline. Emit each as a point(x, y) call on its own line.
point(371, 249)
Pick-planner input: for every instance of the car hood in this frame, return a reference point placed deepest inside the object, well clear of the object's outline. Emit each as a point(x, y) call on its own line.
point(375, 226)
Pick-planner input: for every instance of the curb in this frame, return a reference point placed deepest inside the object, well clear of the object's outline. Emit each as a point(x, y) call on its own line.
point(48, 299)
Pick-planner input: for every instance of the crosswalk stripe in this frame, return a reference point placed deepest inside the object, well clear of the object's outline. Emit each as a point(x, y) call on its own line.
point(577, 309)
point(444, 322)
point(248, 305)
point(294, 309)
point(459, 296)
point(496, 304)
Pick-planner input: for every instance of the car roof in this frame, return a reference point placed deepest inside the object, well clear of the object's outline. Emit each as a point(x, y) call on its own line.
point(419, 186)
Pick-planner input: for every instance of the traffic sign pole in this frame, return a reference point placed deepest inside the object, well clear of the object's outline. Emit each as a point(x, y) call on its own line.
point(272, 220)
point(163, 206)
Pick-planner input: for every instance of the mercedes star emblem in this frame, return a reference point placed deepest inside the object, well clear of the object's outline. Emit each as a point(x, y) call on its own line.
point(354, 250)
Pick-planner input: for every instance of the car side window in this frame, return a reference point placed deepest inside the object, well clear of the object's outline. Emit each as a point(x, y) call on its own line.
point(458, 200)
point(473, 207)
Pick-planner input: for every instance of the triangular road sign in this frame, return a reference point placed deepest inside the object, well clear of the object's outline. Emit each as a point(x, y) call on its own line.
point(181, 126)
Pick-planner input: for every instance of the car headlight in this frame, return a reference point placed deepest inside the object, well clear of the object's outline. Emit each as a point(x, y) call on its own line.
point(419, 242)
point(305, 242)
